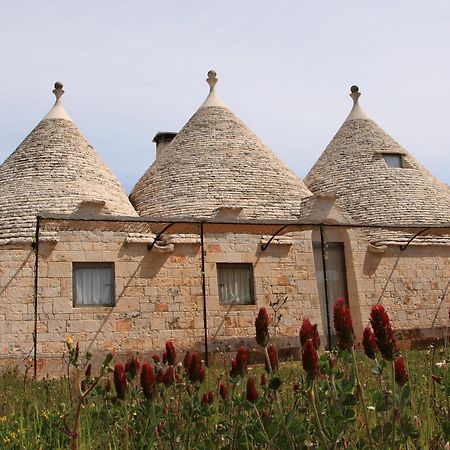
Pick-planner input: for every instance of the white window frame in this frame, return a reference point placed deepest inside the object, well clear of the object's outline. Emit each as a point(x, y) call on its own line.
point(233, 270)
point(77, 271)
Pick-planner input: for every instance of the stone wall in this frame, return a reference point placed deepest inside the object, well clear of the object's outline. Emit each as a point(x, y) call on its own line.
point(159, 295)
point(413, 285)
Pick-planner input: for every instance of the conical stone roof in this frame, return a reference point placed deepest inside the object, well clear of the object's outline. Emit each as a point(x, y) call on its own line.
point(216, 162)
point(55, 170)
point(353, 167)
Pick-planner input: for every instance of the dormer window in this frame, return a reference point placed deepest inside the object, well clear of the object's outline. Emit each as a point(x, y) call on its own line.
point(393, 159)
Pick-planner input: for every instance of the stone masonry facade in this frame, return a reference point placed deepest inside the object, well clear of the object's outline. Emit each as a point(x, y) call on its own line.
point(159, 295)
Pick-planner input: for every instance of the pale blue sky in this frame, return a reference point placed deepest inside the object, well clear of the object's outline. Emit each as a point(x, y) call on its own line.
point(131, 68)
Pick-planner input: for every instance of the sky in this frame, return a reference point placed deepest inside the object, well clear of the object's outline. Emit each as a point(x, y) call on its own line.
point(132, 68)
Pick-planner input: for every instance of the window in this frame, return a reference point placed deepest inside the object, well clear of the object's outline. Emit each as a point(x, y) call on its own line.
point(393, 159)
point(93, 284)
point(336, 281)
point(235, 283)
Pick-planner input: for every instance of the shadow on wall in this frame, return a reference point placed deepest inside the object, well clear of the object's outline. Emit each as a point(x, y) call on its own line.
point(16, 273)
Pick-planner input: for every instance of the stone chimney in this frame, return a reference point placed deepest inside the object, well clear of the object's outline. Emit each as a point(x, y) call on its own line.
point(162, 140)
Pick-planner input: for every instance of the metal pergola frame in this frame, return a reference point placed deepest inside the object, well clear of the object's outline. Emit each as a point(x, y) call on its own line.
point(159, 225)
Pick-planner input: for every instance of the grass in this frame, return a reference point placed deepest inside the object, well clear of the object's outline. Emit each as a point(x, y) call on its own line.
point(33, 413)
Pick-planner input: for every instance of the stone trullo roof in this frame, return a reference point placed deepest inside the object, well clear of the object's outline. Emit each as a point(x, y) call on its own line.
point(214, 164)
point(55, 170)
point(353, 167)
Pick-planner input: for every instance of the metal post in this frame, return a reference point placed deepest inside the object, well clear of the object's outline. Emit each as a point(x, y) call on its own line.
point(36, 279)
point(205, 320)
point(325, 284)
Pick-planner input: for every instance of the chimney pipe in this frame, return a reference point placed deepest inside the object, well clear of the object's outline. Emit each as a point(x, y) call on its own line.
point(162, 140)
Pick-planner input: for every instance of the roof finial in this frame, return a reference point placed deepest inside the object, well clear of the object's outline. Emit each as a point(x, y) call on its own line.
point(355, 94)
point(58, 91)
point(212, 79)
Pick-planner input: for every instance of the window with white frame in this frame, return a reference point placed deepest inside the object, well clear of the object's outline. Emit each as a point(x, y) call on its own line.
point(235, 283)
point(393, 160)
point(93, 284)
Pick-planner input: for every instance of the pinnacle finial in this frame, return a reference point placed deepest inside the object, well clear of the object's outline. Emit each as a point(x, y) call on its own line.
point(58, 91)
point(212, 79)
point(354, 93)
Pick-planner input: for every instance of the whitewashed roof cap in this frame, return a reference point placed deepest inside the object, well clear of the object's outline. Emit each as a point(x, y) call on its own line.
point(354, 168)
point(55, 170)
point(216, 162)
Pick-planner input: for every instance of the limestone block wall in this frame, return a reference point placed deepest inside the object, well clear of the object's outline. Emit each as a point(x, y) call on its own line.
point(16, 303)
point(159, 295)
point(413, 285)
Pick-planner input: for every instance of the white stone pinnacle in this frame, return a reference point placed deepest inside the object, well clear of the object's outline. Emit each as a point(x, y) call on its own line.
point(356, 112)
point(213, 99)
point(58, 111)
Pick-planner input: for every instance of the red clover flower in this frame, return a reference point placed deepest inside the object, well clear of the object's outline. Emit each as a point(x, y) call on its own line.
point(148, 381)
point(170, 353)
point(120, 381)
point(273, 358)
point(310, 359)
point(262, 323)
point(401, 375)
point(223, 391)
point(343, 324)
point(383, 332)
point(369, 343)
point(309, 331)
point(252, 393)
point(132, 367)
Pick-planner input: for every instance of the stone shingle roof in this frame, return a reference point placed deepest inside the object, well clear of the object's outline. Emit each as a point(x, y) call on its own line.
point(56, 170)
point(352, 167)
point(216, 162)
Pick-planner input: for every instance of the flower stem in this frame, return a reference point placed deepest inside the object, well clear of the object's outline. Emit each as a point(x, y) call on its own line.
point(393, 404)
point(316, 416)
point(277, 403)
point(363, 401)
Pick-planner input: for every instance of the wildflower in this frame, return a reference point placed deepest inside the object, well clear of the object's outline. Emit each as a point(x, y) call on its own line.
point(160, 376)
point(120, 381)
point(205, 399)
point(262, 323)
point(343, 324)
point(273, 358)
point(164, 357)
point(252, 393)
point(310, 359)
point(69, 341)
point(383, 332)
point(309, 331)
point(401, 375)
point(369, 343)
point(156, 359)
point(132, 367)
point(210, 397)
point(170, 352)
point(169, 376)
point(88, 372)
point(239, 364)
point(196, 372)
point(263, 379)
point(223, 391)
point(148, 381)
point(187, 360)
